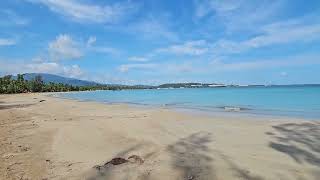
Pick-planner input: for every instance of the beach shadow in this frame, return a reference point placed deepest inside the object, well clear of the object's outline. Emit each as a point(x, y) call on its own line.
point(300, 141)
point(189, 156)
point(238, 171)
point(4, 107)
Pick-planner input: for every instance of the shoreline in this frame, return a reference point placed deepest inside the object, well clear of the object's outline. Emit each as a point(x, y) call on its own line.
point(214, 112)
point(64, 139)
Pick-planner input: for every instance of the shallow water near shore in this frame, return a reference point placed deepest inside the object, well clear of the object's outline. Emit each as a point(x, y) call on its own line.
point(287, 101)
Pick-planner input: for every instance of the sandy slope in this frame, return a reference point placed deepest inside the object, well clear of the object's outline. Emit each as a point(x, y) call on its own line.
point(65, 139)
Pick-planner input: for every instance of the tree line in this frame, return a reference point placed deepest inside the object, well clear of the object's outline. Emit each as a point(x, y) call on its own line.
point(10, 85)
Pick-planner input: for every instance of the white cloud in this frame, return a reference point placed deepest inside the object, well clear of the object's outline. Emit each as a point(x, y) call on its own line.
point(258, 18)
point(283, 32)
point(88, 13)
point(91, 41)
point(14, 67)
point(73, 71)
point(37, 60)
point(188, 48)
point(237, 15)
point(138, 59)
point(180, 68)
point(7, 42)
point(191, 48)
point(64, 47)
point(127, 67)
point(9, 17)
point(160, 68)
point(54, 68)
point(222, 65)
point(301, 60)
point(45, 67)
point(100, 49)
point(273, 34)
point(153, 28)
point(205, 7)
point(106, 50)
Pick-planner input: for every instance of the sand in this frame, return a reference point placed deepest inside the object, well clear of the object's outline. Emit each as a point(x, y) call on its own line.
point(67, 139)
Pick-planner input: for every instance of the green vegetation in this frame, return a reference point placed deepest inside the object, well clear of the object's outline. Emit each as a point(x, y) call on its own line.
point(10, 85)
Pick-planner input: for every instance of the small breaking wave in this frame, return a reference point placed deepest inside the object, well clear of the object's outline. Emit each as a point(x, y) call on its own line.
point(234, 108)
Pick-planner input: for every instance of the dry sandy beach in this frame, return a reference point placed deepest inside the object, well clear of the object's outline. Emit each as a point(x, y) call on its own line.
point(67, 139)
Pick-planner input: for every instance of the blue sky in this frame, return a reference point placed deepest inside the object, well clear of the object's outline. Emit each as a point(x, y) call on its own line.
point(160, 41)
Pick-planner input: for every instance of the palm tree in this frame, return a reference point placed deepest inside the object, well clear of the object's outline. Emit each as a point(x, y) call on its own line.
point(37, 84)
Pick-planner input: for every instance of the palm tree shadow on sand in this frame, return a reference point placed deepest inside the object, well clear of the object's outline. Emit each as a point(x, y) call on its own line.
point(189, 156)
point(194, 159)
point(300, 141)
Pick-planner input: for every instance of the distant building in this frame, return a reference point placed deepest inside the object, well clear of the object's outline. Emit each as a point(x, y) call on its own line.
point(217, 85)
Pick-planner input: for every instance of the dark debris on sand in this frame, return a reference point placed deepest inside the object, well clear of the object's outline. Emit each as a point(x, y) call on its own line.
point(118, 160)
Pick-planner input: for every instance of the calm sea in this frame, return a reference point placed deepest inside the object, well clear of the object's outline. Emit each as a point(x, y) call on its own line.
point(292, 101)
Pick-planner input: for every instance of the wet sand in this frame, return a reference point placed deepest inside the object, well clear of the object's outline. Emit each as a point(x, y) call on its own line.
point(67, 139)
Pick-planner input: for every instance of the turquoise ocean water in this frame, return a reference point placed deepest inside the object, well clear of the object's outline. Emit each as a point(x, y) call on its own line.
point(292, 101)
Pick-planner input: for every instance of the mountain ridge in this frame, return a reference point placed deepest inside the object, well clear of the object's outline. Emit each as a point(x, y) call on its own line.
point(47, 78)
